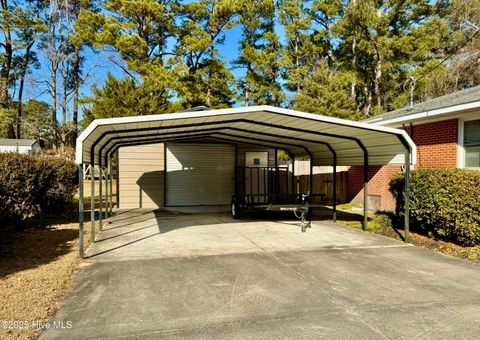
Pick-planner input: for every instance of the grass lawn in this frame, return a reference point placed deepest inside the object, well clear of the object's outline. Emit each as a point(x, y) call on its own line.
point(36, 267)
point(381, 223)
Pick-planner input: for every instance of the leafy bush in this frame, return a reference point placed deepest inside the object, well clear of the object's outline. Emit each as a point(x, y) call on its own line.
point(30, 186)
point(61, 191)
point(444, 203)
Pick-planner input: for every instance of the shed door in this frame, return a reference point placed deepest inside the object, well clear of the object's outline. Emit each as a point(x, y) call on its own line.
point(200, 174)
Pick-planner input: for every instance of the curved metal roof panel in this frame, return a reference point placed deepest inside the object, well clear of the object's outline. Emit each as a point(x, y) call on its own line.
point(299, 132)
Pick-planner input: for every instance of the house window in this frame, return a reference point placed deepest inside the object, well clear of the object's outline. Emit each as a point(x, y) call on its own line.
point(471, 144)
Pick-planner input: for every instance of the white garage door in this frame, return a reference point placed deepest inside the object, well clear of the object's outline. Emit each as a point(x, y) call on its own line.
point(199, 174)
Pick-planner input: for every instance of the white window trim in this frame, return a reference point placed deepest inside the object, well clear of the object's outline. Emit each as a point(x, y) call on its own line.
point(461, 148)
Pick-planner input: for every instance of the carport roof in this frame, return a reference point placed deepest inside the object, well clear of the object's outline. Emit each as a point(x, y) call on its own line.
point(300, 133)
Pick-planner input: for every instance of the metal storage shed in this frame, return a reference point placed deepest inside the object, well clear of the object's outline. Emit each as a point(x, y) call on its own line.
point(325, 140)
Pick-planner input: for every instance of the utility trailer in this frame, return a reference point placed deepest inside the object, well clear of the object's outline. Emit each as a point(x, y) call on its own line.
point(272, 188)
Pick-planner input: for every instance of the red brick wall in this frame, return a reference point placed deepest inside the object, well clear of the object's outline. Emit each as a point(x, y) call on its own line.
point(436, 148)
point(437, 144)
point(378, 184)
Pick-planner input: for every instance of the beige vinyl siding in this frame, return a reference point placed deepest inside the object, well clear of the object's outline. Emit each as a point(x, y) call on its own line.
point(141, 176)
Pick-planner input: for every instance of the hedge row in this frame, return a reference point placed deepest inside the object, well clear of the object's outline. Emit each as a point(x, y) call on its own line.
point(445, 203)
point(30, 186)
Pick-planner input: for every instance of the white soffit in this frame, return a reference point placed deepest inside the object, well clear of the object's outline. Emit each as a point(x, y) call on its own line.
point(299, 132)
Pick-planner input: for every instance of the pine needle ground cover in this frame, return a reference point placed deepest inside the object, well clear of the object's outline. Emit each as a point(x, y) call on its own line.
point(383, 224)
point(36, 268)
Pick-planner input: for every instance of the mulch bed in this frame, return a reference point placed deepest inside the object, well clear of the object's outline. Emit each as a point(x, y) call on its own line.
point(377, 226)
point(468, 253)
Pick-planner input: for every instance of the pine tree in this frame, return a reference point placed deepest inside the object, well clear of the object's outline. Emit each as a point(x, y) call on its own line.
point(204, 78)
point(260, 54)
point(391, 39)
point(325, 13)
point(326, 92)
point(125, 97)
point(301, 53)
point(139, 32)
point(462, 70)
point(19, 26)
point(251, 17)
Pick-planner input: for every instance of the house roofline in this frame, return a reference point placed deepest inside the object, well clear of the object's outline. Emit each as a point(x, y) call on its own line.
point(425, 114)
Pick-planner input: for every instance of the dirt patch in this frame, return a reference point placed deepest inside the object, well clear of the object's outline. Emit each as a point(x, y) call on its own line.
point(36, 267)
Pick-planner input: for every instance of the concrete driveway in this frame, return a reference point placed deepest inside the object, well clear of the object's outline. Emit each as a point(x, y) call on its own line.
point(205, 276)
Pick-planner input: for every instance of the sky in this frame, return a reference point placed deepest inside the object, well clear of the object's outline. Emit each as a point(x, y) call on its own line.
point(97, 66)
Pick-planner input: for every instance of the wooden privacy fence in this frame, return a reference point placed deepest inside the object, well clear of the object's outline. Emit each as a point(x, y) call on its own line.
point(322, 181)
point(323, 184)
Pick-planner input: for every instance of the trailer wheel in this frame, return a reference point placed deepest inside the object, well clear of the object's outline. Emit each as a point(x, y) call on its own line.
point(235, 210)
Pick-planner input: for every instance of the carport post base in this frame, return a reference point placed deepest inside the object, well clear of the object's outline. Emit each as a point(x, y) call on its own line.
point(92, 200)
point(407, 196)
point(365, 192)
point(100, 195)
point(334, 188)
point(80, 210)
point(107, 180)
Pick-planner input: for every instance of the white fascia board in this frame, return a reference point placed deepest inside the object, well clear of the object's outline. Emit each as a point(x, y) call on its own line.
point(426, 114)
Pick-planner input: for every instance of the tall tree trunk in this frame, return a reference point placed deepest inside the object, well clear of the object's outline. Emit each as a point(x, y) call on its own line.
point(54, 102)
point(247, 84)
point(53, 58)
point(353, 90)
point(65, 103)
point(26, 61)
point(297, 63)
point(273, 95)
point(76, 89)
point(272, 84)
point(5, 73)
point(75, 76)
point(329, 43)
point(378, 76)
point(368, 100)
point(210, 72)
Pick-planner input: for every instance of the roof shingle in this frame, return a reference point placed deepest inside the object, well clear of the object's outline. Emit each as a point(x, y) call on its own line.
point(456, 98)
point(17, 142)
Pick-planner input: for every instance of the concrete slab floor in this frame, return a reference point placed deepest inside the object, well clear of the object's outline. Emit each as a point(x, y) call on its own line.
point(269, 281)
point(141, 234)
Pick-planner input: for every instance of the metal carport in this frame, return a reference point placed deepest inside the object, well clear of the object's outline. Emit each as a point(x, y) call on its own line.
point(327, 141)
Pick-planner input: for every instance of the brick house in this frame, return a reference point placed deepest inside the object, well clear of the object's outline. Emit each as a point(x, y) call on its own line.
point(446, 131)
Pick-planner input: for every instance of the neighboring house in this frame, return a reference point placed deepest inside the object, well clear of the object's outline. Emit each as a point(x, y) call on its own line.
point(446, 131)
point(29, 146)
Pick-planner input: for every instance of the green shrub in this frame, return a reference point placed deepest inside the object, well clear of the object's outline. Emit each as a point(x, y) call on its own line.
point(30, 186)
point(21, 189)
point(444, 203)
point(61, 191)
